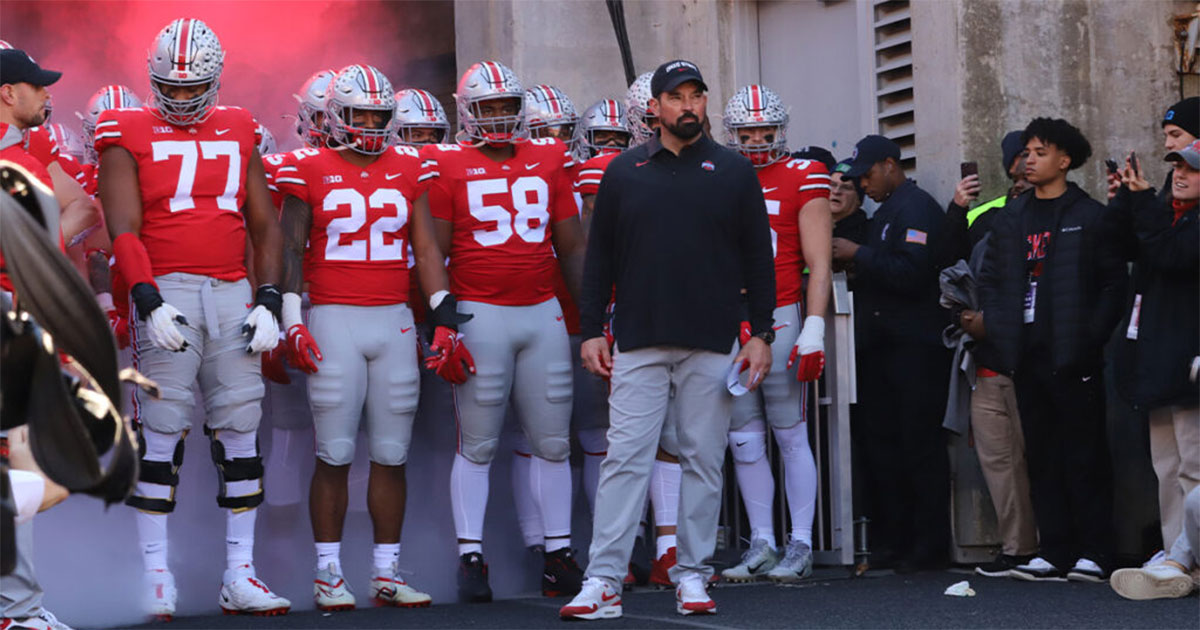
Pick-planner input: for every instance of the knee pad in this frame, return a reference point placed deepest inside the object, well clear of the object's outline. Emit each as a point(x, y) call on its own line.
point(339, 452)
point(389, 452)
point(158, 472)
point(593, 441)
point(239, 468)
point(747, 447)
point(480, 453)
point(554, 448)
point(793, 438)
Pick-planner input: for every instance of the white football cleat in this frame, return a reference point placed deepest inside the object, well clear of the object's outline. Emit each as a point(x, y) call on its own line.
point(330, 591)
point(596, 600)
point(44, 620)
point(691, 596)
point(760, 558)
point(160, 594)
point(242, 593)
point(392, 590)
point(796, 564)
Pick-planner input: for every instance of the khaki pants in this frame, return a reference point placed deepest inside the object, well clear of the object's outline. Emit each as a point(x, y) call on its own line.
point(1175, 450)
point(996, 425)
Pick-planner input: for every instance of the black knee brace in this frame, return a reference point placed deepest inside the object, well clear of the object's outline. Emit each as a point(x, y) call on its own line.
point(159, 473)
point(236, 469)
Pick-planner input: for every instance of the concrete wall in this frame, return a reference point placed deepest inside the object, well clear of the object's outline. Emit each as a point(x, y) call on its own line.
point(572, 45)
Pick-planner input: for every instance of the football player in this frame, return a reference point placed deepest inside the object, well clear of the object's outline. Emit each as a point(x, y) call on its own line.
point(504, 213)
point(106, 98)
point(353, 254)
point(643, 121)
point(420, 119)
point(182, 185)
point(797, 197)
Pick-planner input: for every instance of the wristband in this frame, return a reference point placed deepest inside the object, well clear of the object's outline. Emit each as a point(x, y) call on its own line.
point(268, 296)
point(291, 311)
point(435, 300)
point(146, 298)
point(105, 301)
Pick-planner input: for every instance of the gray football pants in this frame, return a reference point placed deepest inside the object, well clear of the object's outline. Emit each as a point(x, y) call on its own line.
point(641, 384)
point(20, 593)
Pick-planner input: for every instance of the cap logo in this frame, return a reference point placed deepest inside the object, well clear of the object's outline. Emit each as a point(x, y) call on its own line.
point(681, 65)
point(854, 155)
point(1170, 115)
point(708, 165)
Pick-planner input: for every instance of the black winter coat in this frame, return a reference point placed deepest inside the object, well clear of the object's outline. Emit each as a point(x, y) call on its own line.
point(1153, 369)
point(1083, 284)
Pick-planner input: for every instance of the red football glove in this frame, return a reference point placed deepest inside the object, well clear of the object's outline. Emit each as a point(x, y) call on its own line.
point(450, 359)
point(302, 348)
point(744, 334)
point(272, 365)
point(810, 348)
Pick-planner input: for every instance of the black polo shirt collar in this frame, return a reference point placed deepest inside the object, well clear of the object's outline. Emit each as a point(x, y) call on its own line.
point(700, 148)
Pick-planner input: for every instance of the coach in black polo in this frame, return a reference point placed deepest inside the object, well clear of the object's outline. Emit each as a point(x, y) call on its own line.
point(679, 229)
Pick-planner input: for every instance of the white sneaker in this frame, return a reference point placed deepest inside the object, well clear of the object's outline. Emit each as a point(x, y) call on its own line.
point(1158, 558)
point(330, 591)
point(596, 600)
point(44, 620)
point(242, 593)
point(691, 597)
point(51, 621)
point(1086, 571)
point(796, 564)
point(1159, 581)
point(392, 590)
point(758, 559)
point(160, 595)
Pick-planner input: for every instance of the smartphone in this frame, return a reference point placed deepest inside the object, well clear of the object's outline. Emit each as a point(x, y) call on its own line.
point(969, 168)
point(1112, 166)
point(1133, 161)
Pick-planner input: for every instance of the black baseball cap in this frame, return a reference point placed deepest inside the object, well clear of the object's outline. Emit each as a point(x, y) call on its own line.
point(672, 74)
point(1010, 147)
point(870, 151)
point(18, 67)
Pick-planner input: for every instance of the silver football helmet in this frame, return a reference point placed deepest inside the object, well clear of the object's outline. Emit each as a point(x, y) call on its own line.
point(106, 98)
point(363, 88)
point(547, 107)
point(5, 45)
point(756, 106)
point(483, 81)
point(606, 115)
point(636, 108)
point(186, 53)
point(266, 142)
point(419, 109)
point(68, 141)
point(310, 117)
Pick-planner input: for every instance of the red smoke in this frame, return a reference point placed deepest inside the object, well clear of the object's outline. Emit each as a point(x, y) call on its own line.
point(270, 47)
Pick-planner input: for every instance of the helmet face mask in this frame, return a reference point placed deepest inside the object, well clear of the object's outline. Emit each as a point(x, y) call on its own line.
point(550, 114)
point(642, 121)
point(606, 118)
point(756, 107)
point(310, 116)
point(490, 103)
point(420, 119)
point(357, 97)
point(185, 54)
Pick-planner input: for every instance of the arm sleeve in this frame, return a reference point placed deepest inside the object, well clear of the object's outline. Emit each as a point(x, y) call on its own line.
point(1162, 247)
point(758, 265)
point(598, 276)
point(908, 263)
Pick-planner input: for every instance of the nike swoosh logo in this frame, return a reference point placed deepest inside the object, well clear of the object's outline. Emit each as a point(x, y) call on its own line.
point(530, 167)
point(741, 443)
point(780, 327)
point(391, 176)
point(221, 132)
point(404, 330)
point(559, 318)
point(767, 190)
point(250, 305)
point(604, 597)
point(642, 163)
point(550, 578)
point(755, 568)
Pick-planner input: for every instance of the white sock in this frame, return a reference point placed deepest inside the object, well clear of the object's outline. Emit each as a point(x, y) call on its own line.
point(550, 483)
point(329, 553)
point(239, 538)
point(468, 497)
point(471, 547)
point(663, 544)
point(152, 538)
point(758, 495)
point(800, 479)
point(529, 518)
point(387, 555)
point(665, 478)
point(554, 544)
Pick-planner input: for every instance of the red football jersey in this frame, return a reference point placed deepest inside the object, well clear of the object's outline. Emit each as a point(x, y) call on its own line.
point(271, 164)
point(587, 181)
point(503, 216)
point(87, 178)
point(788, 185)
point(18, 154)
point(358, 246)
point(193, 186)
point(71, 167)
point(39, 143)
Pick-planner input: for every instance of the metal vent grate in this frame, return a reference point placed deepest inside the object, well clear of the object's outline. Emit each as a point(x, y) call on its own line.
point(894, 104)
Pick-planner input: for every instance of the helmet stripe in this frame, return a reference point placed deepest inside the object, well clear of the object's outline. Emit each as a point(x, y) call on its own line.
point(611, 106)
point(427, 104)
point(497, 76)
point(370, 79)
point(117, 101)
point(182, 44)
point(755, 99)
point(551, 99)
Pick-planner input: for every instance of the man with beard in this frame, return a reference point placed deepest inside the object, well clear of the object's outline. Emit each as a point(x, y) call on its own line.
point(693, 213)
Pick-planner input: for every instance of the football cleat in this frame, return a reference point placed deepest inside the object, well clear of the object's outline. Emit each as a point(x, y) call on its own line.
point(660, 569)
point(44, 620)
point(242, 593)
point(691, 597)
point(597, 599)
point(562, 575)
point(796, 564)
point(473, 579)
point(392, 590)
point(331, 592)
point(160, 595)
point(760, 558)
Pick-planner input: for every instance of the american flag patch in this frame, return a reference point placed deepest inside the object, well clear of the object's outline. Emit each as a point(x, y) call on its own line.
point(708, 165)
point(915, 236)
